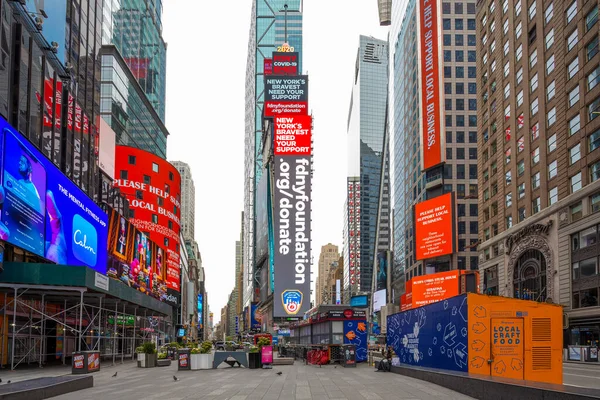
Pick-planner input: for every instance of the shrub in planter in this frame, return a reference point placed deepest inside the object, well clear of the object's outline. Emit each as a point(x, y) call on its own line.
point(202, 357)
point(163, 361)
point(147, 355)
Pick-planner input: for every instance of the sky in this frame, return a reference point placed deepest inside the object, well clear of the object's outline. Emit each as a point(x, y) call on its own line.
point(206, 70)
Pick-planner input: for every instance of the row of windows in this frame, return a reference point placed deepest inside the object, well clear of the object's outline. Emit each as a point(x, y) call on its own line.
point(458, 8)
point(460, 137)
point(459, 40)
point(459, 56)
point(460, 88)
point(459, 24)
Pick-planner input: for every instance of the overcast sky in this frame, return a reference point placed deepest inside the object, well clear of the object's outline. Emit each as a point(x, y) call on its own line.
point(206, 68)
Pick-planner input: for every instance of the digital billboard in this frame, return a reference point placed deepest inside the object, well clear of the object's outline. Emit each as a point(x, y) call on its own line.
point(54, 28)
point(139, 262)
point(286, 95)
point(354, 232)
point(152, 187)
point(262, 233)
point(43, 211)
point(292, 216)
point(292, 135)
point(106, 151)
point(434, 227)
point(268, 66)
point(200, 309)
point(429, 70)
point(382, 269)
point(427, 289)
point(285, 63)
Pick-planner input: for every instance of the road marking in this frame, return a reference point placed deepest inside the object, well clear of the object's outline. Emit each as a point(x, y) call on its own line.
point(581, 376)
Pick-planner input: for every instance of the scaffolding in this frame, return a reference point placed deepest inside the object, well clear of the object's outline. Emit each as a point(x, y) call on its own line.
point(42, 325)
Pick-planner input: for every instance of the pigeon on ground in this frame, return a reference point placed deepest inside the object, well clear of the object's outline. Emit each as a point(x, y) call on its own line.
point(279, 373)
point(115, 375)
point(8, 382)
point(175, 378)
point(0, 380)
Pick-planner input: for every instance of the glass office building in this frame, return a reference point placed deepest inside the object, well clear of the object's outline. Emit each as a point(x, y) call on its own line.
point(126, 108)
point(267, 31)
point(134, 27)
point(366, 131)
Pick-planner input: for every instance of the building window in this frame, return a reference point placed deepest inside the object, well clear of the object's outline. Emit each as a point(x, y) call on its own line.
point(139, 195)
point(551, 116)
point(519, 75)
point(591, 18)
point(131, 160)
point(549, 13)
point(535, 180)
point(594, 171)
point(572, 40)
point(591, 49)
point(576, 182)
point(551, 90)
point(535, 131)
point(124, 174)
point(593, 78)
point(521, 167)
point(585, 268)
point(508, 177)
point(508, 199)
point(154, 167)
point(171, 176)
point(574, 125)
point(166, 242)
point(521, 189)
point(458, 24)
point(572, 11)
point(552, 169)
point(593, 109)
point(552, 196)
point(170, 225)
point(155, 218)
point(518, 29)
point(536, 206)
point(594, 140)
point(574, 96)
point(575, 153)
point(533, 83)
point(509, 222)
point(576, 212)
point(520, 98)
point(146, 179)
point(595, 202)
point(519, 53)
point(552, 143)
point(549, 37)
point(573, 68)
point(550, 65)
point(522, 214)
point(161, 201)
point(534, 107)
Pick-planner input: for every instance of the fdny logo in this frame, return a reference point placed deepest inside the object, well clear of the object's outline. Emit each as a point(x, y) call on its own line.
point(292, 301)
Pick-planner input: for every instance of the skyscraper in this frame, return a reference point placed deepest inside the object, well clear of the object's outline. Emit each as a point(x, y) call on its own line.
point(188, 199)
point(414, 181)
point(327, 259)
point(267, 31)
point(366, 131)
point(540, 165)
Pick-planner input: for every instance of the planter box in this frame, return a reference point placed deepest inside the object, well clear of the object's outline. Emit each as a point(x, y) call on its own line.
point(202, 361)
point(163, 363)
point(254, 361)
point(146, 360)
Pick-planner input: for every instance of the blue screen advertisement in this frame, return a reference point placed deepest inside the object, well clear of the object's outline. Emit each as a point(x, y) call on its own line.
point(200, 310)
point(432, 336)
point(355, 332)
point(43, 211)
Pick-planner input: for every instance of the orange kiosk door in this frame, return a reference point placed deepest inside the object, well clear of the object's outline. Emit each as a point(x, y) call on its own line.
point(507, 348)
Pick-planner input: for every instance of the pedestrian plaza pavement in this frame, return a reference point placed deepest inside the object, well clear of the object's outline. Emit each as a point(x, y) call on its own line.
point(296, 381)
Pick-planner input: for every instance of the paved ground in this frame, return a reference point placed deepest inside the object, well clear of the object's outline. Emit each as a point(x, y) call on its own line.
point(297, 381)
point(582, 375)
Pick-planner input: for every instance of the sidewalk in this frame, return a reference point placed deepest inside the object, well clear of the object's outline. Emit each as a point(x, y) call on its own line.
point(297, 381)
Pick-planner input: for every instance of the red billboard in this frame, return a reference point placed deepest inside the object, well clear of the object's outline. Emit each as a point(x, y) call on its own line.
point(429, 70)
point(434, 227)
point(427, 289)
point(285, 63)
point(152, 186)
point(293, 135)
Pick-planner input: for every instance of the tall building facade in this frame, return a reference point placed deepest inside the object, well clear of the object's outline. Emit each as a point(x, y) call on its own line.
point(539, 160)
point(458, 172)
point(134, 27)
point(188, 199)
point(366, 131)
point(327, 260)
point(267, 31)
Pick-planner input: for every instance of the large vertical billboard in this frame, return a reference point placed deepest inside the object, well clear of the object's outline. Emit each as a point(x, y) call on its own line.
point(432, 117)
point(152, 186)
point(43, 211)
point(354, 233)
point(285, 95)
point(292, 209)
point(434, 227)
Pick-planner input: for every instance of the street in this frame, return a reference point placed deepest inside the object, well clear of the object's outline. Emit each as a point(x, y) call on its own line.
point(582, 375)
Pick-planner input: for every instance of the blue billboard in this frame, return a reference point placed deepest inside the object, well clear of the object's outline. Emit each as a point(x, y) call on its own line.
point(200, 308)
point(43, 211)
point(432, 336)
point(54, 28)
point(355, 332)
point(255, 324)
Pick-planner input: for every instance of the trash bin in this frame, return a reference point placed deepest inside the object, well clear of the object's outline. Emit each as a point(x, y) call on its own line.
point(183, 360)
point(349, 356)
point(85, 362)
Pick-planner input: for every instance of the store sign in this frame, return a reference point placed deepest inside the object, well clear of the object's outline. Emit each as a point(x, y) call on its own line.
point(535, 229)
point(429, 71)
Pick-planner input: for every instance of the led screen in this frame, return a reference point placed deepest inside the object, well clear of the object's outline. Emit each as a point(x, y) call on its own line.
point(43, 211)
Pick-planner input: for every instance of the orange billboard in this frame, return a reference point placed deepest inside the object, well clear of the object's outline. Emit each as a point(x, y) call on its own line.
point(434, 227)
point(427, 289)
